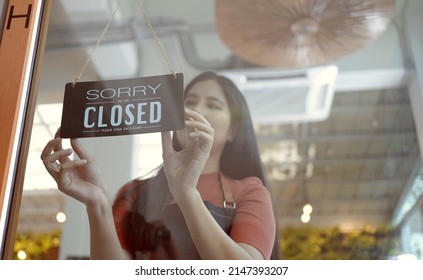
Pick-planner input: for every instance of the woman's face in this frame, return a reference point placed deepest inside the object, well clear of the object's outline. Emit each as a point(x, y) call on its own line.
point(208, 99)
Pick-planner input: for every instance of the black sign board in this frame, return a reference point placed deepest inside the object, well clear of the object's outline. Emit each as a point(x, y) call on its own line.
point(123, 107)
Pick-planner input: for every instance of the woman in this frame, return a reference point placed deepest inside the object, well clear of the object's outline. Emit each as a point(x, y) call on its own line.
point(208, 200)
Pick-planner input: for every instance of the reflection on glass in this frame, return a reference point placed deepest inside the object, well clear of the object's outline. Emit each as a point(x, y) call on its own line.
point(360, 168)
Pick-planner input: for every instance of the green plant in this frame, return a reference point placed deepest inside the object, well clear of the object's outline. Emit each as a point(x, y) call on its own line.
point(36, 246)
point(312, 243)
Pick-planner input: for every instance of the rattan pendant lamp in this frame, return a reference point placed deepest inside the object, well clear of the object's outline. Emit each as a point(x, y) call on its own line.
point(300, 33)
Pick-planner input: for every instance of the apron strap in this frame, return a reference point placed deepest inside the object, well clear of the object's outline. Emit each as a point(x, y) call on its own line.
point(229, 201)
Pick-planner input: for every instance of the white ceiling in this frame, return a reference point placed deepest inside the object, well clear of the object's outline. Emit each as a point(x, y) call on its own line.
point(187, 31)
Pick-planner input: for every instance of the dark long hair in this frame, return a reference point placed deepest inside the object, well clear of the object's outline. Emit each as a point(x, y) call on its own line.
point(240, 159)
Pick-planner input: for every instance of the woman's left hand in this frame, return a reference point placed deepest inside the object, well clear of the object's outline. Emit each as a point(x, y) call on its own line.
point(183, 168)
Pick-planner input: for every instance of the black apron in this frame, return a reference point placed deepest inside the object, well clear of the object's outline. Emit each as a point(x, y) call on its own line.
point(180, 244)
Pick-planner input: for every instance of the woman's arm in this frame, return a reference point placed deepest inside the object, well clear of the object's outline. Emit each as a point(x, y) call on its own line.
point(104, 242)
point(81, 179)
point(183, 169)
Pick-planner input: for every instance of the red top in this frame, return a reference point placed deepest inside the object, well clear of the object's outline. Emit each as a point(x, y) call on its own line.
point(253, 222)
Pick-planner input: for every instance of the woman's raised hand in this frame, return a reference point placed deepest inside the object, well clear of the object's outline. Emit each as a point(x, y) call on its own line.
point(78, 178)
point(183, 168)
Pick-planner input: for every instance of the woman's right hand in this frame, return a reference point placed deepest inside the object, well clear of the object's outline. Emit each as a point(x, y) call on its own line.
point(79, 178)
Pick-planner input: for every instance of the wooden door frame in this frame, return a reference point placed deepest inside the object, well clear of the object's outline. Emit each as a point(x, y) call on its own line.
point(21, 54)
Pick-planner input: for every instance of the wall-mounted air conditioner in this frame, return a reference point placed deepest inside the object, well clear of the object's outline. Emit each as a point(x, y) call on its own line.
point(287, 96)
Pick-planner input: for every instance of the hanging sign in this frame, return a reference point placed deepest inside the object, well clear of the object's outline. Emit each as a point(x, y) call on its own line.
point(123, 107)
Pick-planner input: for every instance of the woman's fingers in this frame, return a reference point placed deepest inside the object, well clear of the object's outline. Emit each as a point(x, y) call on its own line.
point(53, 159)
point(194, 115)
point(59, 147)
point(200, 135)
point(80, 151)
point(48, 149)
point(53, 146)
point(56, 159)
point(198, 131)
point(194, 126)
point(198, 128)
point(167, 143)
point(73, 164)
point(59, 156)
point(195, 121)
point(57, 135)
point(53, 152)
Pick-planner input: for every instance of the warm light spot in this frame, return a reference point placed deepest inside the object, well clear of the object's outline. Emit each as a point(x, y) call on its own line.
point(305, 218)
point(61, 217)
point(307, 209)
point(56, 241)
point(21, 255)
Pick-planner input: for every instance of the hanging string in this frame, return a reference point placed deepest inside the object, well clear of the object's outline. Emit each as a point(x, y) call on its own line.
point(156, 38)
point(104, 33)
point(96, 45)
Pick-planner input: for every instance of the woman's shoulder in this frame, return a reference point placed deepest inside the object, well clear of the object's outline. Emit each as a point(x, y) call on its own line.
point(250, 181)
point(251, 185)
point(131, 186)
point(129, 190)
